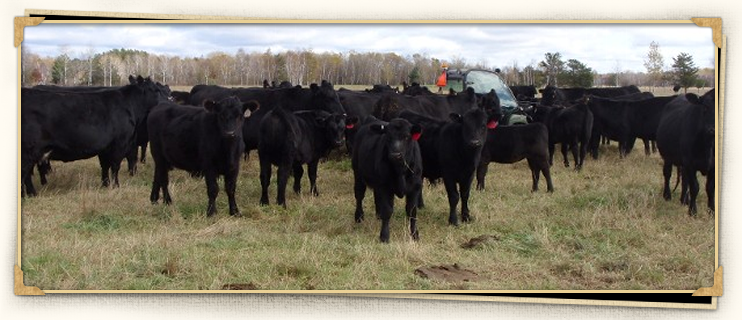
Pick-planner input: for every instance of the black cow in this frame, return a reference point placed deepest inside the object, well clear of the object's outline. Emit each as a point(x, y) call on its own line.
point(386, 157)
point(570, 126)
point(552, 95)
point(415, 89)
point(316, 97)
point(526, 93)
point(205, 140)
point(141, 130)
point(686, 138)
point(181, 97)
point(451, 150)
point(382, 88)
point(70, 126)
point(290, 140)
point(435, 106)
point(624, 120)
point(510, 144)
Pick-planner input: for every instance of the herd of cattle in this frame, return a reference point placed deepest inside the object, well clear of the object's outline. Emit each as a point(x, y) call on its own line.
point(396, 139)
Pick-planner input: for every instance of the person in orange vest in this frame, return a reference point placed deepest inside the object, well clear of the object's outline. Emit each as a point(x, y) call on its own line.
point(441, 82)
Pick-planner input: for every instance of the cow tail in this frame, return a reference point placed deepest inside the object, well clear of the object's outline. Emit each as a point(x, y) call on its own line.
point(677, 180)
point(283, 116)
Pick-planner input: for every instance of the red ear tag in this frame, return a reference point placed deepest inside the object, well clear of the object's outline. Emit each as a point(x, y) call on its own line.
point(416, 136)
point(349, 126)
point(492, 124)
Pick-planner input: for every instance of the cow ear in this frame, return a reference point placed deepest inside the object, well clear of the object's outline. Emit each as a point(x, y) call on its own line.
point(314, 87)
point(209, 105)
point(351, 122)
point(455, 117)
point(140, 79)
point(378, 128)
point(416, 131)
point(249, 107)
point(693, 98)
point(132, 80)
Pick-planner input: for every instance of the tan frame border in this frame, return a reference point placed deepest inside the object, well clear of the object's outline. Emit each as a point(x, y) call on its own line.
point(715, 291)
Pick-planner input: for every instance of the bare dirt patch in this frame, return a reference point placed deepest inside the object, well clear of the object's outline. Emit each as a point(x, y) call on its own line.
point(240, 286)
point(448, 273)
point(474, 242)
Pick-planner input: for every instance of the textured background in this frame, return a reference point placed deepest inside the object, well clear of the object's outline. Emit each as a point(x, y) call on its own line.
point(191, 306)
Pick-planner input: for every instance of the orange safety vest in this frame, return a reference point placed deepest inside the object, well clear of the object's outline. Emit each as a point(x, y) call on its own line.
point(441, 80)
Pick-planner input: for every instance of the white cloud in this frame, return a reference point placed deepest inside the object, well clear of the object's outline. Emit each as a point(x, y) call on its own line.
point(600, 46)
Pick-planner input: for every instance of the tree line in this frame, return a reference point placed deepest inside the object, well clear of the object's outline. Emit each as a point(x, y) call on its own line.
point(112, 68)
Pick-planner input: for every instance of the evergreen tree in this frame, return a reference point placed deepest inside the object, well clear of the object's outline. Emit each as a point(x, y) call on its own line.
point(577, 75)
point(414, 75)
point(684, 71)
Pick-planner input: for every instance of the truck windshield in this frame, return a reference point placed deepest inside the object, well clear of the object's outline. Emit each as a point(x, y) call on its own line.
point(484, 81)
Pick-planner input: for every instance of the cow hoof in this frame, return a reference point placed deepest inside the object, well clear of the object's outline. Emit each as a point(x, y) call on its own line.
point(453, 223)
point(236, 214)
point(415, 236)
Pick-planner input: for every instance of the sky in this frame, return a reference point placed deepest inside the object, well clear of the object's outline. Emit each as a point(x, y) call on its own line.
point(605, 48)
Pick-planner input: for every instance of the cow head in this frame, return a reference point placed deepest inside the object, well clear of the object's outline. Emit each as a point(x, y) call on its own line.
point(474, 124)
point(490, 103)
point(325, 97)
point(230, 113)
point(148, 92)
point(334, 126)
point(400, 139)
point(548, 95)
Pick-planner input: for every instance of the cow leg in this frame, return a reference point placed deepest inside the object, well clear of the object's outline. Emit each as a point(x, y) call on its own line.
point(384, 201)
point(131, 160)
point(30, 189)
point(230, 184)
point(481, 173)
point(312, 167)
point(683, 187)
point(647, 145)
point(265, 180)
point(160, 181)
point(212, 190)
point(667, 173)
point(465, 188)
point(535, 174)
point(576, 154)
point(283, 179)
point(551, 154)
point(710, 178)
point(411, 210)
point(693, 190)
point(453, 200)
point(547, 174)
point(654, 146)
point(115, 167)
point(359, 187)
point(565, 147)
point(298, 173)
point(143, 159)
point(44, 169)
point(420, 202)
point(105, 166)
point(583, 153)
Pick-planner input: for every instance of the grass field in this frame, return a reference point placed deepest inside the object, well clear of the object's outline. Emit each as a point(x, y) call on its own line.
point(606, 227)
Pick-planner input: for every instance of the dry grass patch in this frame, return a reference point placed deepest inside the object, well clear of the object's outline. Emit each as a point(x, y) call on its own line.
point(605, 227)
